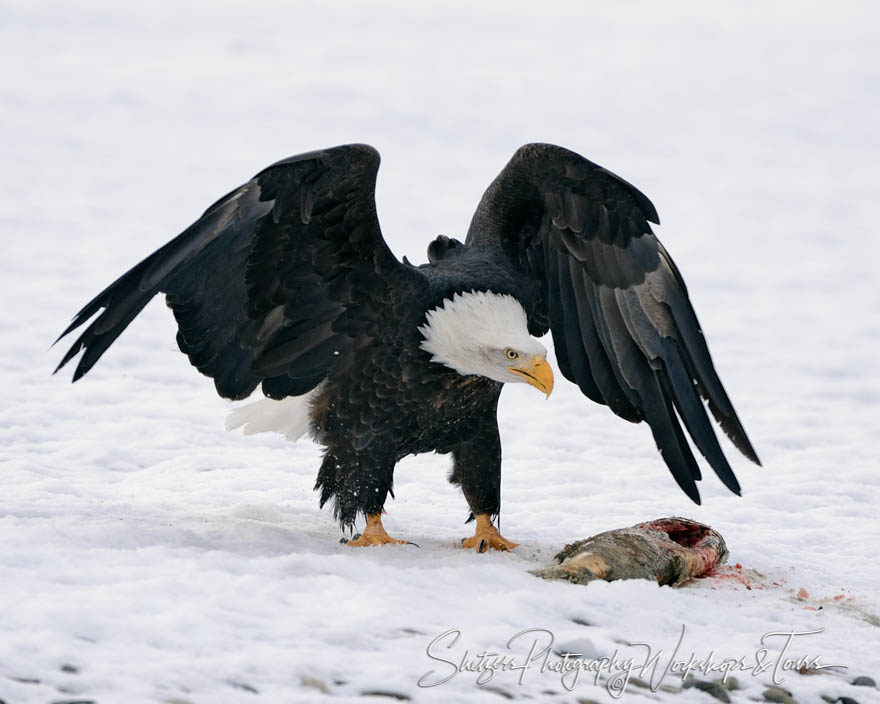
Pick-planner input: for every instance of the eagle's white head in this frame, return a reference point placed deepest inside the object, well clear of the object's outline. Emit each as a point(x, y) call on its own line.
point(486, 334)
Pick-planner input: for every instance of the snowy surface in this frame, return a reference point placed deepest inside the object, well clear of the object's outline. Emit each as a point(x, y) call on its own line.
point(166, 560)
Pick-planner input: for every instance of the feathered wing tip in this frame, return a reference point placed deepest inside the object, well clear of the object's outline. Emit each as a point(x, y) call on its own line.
point(118, 304)
point(702, 368)
point(122, 300)
point(289, 416)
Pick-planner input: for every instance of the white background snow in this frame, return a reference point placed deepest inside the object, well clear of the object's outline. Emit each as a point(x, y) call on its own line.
point(169, 561)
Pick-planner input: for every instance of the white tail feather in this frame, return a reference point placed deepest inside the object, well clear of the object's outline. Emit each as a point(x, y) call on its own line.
point(289, 416)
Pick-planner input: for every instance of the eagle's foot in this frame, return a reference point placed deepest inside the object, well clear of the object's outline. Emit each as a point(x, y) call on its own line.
point(487, 536)
point(374, 534)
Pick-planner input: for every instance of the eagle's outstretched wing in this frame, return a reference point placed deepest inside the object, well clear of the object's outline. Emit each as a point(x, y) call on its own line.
point(623, 327)
point(271, 282)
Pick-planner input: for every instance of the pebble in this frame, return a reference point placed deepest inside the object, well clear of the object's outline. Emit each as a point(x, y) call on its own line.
point(413, 631)
point(244, 686)
point(731, 684)
point(712, 688)
point(314, 683)
point(777, 694)
point(497, 690)
point(863, 681)
point(647, 685)
point(385, 693)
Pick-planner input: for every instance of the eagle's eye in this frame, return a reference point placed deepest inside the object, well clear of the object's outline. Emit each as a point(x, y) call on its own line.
point(511, 354)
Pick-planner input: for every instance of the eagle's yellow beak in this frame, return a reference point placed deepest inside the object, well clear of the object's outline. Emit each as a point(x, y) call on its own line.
point(538, 373)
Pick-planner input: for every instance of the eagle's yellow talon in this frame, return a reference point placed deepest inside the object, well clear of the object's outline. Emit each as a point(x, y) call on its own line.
point(487, 536)
point(374, 534)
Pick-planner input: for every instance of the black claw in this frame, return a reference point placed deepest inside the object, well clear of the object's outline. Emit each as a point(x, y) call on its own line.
point(410, 542)
point(483, 546)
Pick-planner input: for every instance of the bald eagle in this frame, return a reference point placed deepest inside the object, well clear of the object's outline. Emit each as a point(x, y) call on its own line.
point(286, 283)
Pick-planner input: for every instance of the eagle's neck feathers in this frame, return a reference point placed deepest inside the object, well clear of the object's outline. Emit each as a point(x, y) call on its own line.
point(467, 332)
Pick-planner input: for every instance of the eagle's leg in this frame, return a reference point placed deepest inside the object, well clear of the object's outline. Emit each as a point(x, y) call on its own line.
point(476, 467)
point(374, 534)
point(358, 484)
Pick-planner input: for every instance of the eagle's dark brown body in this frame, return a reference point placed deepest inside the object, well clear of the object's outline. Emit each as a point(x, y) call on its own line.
point(402, 405)
point(428, 408)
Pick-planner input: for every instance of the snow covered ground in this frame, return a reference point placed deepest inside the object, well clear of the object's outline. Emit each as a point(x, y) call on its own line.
point(146, 555)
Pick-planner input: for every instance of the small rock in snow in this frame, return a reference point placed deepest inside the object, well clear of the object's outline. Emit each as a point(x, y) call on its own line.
point(863, 681)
